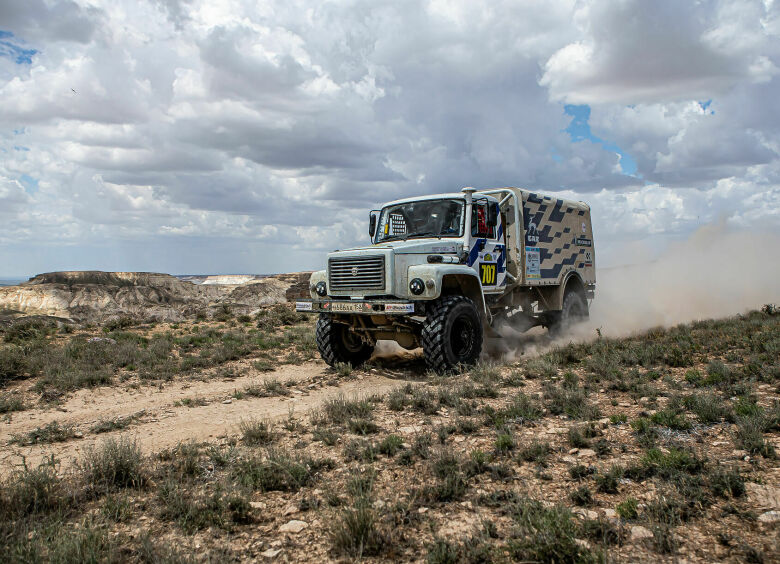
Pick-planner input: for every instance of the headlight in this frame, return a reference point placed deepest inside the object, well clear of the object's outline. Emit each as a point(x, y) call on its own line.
point(416, 286)
point(321, 288)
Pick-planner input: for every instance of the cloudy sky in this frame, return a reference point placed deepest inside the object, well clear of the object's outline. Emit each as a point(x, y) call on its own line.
point(247, 136)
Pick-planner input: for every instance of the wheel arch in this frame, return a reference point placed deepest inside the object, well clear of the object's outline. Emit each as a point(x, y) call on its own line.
point(573, 282)
point(554, 295)
point(468, 285)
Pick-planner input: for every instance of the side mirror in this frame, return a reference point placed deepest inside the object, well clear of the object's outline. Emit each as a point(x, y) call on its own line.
point(492, 215)
point(372, 224)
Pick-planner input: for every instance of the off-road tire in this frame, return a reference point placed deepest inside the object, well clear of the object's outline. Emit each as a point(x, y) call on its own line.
point(452, 334)
point(337, 344)
point(573, 311)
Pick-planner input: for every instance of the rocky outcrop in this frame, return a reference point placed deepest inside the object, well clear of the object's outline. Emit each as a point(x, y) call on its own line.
point(299, 286)
point(95, 296)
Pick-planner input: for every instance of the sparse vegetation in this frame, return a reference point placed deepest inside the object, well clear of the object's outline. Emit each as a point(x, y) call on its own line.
point(255, 432)
point(113, 464)
point(672, 429)
point(29, 349)
point(115, 424)
point(50, 433)
point(10, 403)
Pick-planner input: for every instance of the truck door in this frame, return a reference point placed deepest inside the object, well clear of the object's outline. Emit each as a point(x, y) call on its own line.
point(488, 251)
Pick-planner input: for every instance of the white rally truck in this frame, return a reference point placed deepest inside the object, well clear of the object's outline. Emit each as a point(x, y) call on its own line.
point(443, 270)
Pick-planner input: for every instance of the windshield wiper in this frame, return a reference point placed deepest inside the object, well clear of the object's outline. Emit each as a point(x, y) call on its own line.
point(424, 234)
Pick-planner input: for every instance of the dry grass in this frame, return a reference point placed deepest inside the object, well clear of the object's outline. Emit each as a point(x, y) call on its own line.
point(471, 468)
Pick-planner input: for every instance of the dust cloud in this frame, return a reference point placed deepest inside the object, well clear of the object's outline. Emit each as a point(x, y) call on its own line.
point(716, 272)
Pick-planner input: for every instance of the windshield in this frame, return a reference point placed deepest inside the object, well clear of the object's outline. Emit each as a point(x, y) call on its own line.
point(425, 218)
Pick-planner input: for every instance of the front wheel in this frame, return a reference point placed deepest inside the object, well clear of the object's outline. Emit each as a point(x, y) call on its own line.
point(337, 343)
point(452, 334)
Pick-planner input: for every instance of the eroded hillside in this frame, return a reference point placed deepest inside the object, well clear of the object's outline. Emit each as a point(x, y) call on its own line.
point(95, 296)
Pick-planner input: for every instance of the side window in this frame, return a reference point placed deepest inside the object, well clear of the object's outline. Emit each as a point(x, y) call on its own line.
point(479, 224)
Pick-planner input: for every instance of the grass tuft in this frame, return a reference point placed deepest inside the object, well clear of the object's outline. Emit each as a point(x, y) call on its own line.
point(116, 463)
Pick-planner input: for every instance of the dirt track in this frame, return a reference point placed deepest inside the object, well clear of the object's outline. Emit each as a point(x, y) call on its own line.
point(162, 424)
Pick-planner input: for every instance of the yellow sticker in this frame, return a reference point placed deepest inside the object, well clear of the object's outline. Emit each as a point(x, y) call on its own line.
point(387, 228)
point(488, 273)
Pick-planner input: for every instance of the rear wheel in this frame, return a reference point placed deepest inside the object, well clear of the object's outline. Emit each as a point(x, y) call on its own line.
point(337, 343)
point(574, 310)
point(452, 334)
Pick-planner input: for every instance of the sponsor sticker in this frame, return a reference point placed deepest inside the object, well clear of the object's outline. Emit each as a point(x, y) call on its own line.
point(531, 233)
point(448, 249)
point(399, 308)
point(487, 273)
point(532, 262)
point(588, 258)
point(351, 307)
point(583, 241)
point(303, 306)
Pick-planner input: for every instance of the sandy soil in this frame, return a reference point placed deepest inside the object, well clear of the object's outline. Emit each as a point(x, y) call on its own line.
point(161, 423)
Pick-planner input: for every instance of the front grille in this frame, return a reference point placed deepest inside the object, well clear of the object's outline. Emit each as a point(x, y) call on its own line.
point(356, 273)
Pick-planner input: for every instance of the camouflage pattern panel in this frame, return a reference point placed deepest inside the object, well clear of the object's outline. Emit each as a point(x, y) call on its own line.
point(558, 239)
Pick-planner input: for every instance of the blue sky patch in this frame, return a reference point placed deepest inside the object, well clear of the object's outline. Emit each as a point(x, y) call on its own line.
point(30, 184)
point(579, 130)
point(10, 48)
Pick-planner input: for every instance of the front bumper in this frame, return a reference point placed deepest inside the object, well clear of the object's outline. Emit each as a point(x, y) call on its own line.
point(363, 307)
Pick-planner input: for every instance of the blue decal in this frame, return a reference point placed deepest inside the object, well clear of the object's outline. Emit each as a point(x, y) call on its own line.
point(474, 252)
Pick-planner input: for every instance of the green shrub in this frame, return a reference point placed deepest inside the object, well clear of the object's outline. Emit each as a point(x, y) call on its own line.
point(114, 464)
point(541, 367)
point(707, 407)
point(451, 482)
point(10, 403)
point(339, 410)
point(671, 418)
point(326, 436)
point(601, 532)
point(646, 432)
point(356, 533)
point(618, 418)
point(50, 433)
point(362, 426)
point(504, 441)
point(546, 534)
point(13, 364)
point(580, 471)
point(666, 465)
point(87, 544)
point(628, 508)
point(727, 483)
point(279, 470)
point(569, 399)
point(609, 481)
point(581, 496)
point(24, 330)
point(749, 436)
point(396, 399)
point(256, 432)
point(537, 451)
point(442, 552)
point(718, 374)
point(390, 445)
point(29, 491)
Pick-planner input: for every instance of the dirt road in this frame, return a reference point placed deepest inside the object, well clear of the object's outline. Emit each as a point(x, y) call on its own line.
point(193, 409)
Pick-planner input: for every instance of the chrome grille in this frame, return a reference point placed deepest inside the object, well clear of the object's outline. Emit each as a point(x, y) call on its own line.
point(356, 273)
